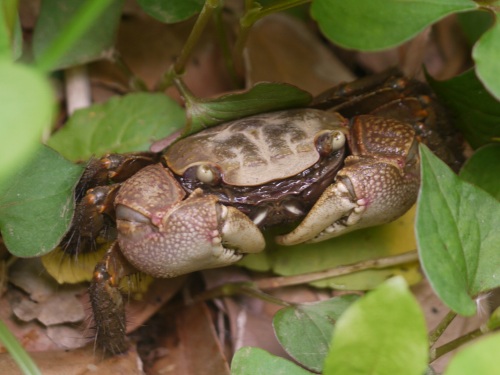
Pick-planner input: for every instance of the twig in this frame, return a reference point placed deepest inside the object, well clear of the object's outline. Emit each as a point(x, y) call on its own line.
point(452, 345)
point(276, 282)
point(435, 334)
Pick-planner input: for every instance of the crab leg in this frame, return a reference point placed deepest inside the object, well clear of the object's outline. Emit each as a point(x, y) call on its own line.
point(107, 302)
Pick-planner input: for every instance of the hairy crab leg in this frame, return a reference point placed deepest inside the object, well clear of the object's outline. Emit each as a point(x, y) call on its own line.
point(107, 301)
point(94, 195)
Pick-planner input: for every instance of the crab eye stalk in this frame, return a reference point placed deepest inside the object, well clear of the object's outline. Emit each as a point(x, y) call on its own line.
point(330, 141)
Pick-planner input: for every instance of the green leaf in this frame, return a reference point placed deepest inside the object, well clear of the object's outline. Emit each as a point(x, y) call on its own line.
point(476, 112)
point(18, 353)
point(494, 320)
point(37, 205)
point(479, 358)
point(370, 243)
point(98, 34)
point(27, 105)
point(486, 54)
point(475, 23)
point(457, 234)
point(173, 10)
point(477, 170)
point(122, 124)
point(252, 361)
point(10, 30)
point(378, 24)
point(263, 97)
point(383, 333)
point(305, 330)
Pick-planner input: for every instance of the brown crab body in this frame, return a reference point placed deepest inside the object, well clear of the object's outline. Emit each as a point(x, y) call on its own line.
point(348, 163)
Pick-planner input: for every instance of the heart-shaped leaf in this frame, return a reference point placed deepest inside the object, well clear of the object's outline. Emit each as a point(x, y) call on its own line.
point(37, 205)
point(457, 235)
point(122, 124)
point(305, 330)
point(382, 333)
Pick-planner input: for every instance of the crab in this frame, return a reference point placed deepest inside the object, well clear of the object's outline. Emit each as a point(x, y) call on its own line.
point(348, 161)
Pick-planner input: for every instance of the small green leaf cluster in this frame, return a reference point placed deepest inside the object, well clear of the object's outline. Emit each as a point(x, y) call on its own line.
point(382, 333)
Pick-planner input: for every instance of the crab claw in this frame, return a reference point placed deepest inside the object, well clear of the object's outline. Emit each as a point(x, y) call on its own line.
point(167, 237)
point(375, 186)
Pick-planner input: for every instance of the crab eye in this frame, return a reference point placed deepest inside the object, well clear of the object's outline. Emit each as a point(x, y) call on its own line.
point(127, 214)
point(328, 142)
point(207, 174)
point(337, 140)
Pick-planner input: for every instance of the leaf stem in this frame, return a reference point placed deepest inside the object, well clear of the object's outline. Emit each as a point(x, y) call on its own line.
point(436, 333)
point(180, 64)
point(452, 345)
point(85, 16)
point(196, 32)
point(20, 356)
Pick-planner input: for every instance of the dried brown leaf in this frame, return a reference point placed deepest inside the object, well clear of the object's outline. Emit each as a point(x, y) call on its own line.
point(202, 351)
point(77, 362)
point(282, 49)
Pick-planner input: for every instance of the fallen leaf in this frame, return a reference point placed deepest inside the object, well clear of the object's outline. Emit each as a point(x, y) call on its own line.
point(282, 49)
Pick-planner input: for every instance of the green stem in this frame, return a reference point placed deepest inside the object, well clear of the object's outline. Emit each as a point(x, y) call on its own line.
point(196, 32)
point(20, 356)
point(452, 345)
point(180, 64)
point(74, 29)
point(441, 327)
